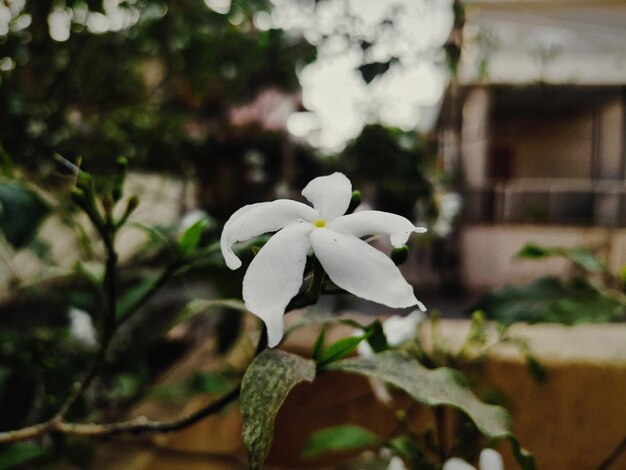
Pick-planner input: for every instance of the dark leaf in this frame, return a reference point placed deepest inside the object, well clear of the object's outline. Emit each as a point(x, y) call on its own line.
point(436, 387)
point(21, 213)
point(551, 300)
point(18, 454)
point(267, 382)
point(372, 70)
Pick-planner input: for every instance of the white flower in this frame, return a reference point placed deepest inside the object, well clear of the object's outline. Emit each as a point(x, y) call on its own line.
point(397, 330)
point(489, 460)
point(275, 275)
point(396, 463)
point(81, 327)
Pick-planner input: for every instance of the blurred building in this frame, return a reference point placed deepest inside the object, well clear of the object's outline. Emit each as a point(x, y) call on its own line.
point(536, 127)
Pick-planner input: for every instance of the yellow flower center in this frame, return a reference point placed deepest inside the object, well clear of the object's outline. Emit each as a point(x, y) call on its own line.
point(319, 223)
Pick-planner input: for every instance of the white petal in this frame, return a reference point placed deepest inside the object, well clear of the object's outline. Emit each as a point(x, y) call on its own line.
point(364, 223)
point(256, 219)
point(275, 276)
point(400, 329)
point(456, 464)
point(361, 269)
point(330, 195)
point(396, 463)
point(490, 460)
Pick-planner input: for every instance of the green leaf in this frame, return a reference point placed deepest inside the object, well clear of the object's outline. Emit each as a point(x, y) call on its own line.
point(18, 454)
point(337, 439)
point(318, 347)
point(587, 260)
point(436, 387)
point(267, 382)
point(340, 349)
point(534, 251)
point(191, 237)
point(373, 69)
point(577, 255)
point(21, 213)
point(551, 300)
point(377, 339)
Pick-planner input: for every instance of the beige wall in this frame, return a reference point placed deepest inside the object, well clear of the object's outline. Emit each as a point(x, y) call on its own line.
point(572, 421)
point(488, 252)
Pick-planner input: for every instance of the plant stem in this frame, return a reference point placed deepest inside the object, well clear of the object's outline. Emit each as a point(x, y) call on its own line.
point(442, 432)
point(135, 426)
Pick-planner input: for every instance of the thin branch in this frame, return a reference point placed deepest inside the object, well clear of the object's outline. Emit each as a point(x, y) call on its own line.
point(442, 432)
point(143, 424)
point(134, 426)
point(169, 272)
point(612, 459)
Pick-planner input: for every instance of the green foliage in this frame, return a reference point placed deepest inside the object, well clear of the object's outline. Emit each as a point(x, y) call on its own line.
point(158, 91)
point(437, 387)
point(548, 299)
point(21, 213)
point(267, 382)
point(340, 349)
point(396, 162)
point(339, 438)
point(18, 454)
point(190, 238)
point(581, 257)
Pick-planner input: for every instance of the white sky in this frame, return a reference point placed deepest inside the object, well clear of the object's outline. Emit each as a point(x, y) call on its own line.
point(340, 103)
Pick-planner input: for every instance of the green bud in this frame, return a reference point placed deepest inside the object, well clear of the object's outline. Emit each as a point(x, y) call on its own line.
point(399, 255)
point(78, 196)
point(118, 181)
point(122, 164)
point(401, 416)
point(478, 317)
point(355, 201)
point(133, 203)
point(84, 182)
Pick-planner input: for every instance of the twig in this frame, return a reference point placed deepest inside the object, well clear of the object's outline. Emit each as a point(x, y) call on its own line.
point(611, 459)
point(442, 432)
point(134, 426)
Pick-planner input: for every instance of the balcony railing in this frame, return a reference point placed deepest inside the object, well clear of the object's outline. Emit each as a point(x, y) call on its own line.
point(556, 201)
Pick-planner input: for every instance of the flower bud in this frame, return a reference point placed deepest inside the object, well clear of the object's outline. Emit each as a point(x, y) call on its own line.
point(355, 201)
point(399, 255)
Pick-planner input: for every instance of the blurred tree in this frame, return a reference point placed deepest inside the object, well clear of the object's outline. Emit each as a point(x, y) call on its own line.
point(394, 162)
point(155, 81)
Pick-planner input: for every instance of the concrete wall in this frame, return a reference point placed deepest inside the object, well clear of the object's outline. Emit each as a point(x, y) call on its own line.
point(573, 420)
point(487, 252)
